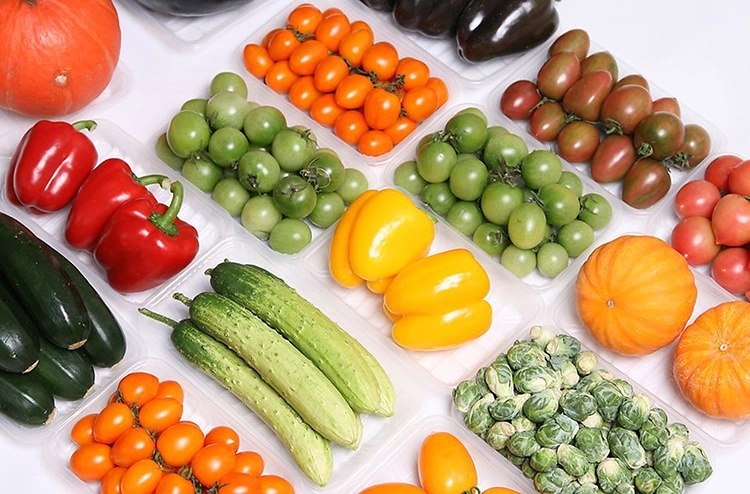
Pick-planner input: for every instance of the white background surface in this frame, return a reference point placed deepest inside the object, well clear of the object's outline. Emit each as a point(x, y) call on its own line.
point(696, 50)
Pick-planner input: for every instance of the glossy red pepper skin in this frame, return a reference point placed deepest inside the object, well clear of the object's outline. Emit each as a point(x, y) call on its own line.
point(108, 187)
point(50, 164)
point(137, 254)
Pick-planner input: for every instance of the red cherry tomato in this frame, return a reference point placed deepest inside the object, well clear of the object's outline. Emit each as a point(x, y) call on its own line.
point(304, 18)
point(717, 172)
point(375, 143)
point(303, 92)
point(382, 59)
point(730, 270)
point(141, 478)
point(414, 72)
point(350, 126)
point(731, 220)
point(696, 198)
point(739, 178)
point(112, 422)
point(173, 483)
point(694, 239)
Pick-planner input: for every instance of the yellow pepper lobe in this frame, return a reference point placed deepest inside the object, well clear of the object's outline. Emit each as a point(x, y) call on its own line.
point(338, 258)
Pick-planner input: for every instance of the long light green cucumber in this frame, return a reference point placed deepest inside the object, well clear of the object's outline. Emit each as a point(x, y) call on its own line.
point(280, 364)
point(351, 368)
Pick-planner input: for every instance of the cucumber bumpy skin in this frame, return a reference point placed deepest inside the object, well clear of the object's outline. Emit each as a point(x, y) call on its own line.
point(348, 365)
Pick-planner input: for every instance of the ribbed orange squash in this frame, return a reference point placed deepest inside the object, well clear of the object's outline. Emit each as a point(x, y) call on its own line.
point(56, 56)
point(635, 294)
point(712, 364)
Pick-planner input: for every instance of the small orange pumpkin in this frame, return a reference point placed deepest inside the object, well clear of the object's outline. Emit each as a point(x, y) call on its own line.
point(635, 294)
point(56, 56)
point(711, 364)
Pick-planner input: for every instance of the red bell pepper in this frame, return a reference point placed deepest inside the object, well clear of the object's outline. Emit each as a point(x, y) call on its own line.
point(108, 187)
point(144, 243)
point(50, 164)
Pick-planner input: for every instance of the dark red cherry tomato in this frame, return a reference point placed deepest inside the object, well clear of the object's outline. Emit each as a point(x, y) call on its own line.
point(558, 74)
point(694, 148)
point(645, 184)
point(696, 198)
point(585, 98)
point(636, 79)
point(717, 172)
point(613, 158)
point(602, 60)
point(667, 104)
point(578, 141)
point(576, 41)
point(624, 108)
point(659, 135)
point(694, 239)
point(519, 100)
point(547, 121)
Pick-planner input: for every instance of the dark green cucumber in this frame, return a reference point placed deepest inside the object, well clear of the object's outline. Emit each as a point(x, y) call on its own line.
point(350, 367)
point(19, 347)
point(106, 343)
point(67, 374)
point(310, 450)
point(24, 399)
point(45, 290)
point(281, 365)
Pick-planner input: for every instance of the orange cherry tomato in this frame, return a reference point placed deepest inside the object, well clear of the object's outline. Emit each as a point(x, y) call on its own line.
point(239, 483)
point(170, 389)
point(282, 44)
point(212, 463)
point(352, 91)
point(223, 435)
point(307, 56)
point(381, 108)
point(249, 462)
point(332, 29)
point(375, 143)
point(500, 490)
point(441, 90)
point(111, 481)
point(173, 483)
point(280, 77)
point(179, 443)
point(401, 128)
point(354, 45)
point(414, 72)
point(113, 398)
point(325, 111)
point(329, 73)
point(269, 35)
point(304, 18)
point(331, 12)
point(361, 25)
point(83, 430)
point(91, 462)
point(303, 92)
point(141, 478)
point(420, 103)
point(382, 59)
point(112, 422)
point(137, 388)
point(160, 413)
point(350, 126)
point(393, 488)
point(445, 466)
point(273, 484)
point(134, 445)
point(256, 60)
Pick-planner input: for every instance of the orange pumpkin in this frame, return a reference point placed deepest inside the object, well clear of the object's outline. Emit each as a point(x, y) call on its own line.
point(56, 56)
point(712, 366)
point(635, 294)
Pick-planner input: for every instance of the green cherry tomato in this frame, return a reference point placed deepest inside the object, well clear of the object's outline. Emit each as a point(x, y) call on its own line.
point(200, 171)
point(294, 197)
point(428, 139)
point(468, 131)
point(491, 238)
point(230, 172)
point(596, 211)
point(258, 171)
point(231, 195)
point(552, 259)
point(465, 217)
point(293, 149)
point(328, 209)
point(468, 179)
point(325, 172)
point(435, 161)
point(262, 124)
point(575, 237)
point(260, 215)
point(438, 197)
point(188, 133)
point(520, 262)
point(353, 185)
point(504, 149)
point(407, 177)
point(572, 181)
point(560, 204)
point(290, 236)
point(527, 225)
point(198, 105)
point(165, 153)
point(228, 81)
point(475, 112)
point(499, 200)
point(495, 130)
point(466, 156)
point(227, 109)
point(227, 145)
point(541, 167)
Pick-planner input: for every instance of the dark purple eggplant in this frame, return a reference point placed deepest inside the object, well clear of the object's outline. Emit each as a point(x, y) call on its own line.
point(381, 5)
point(435, 18)
point(492, 28)
point(191, 8)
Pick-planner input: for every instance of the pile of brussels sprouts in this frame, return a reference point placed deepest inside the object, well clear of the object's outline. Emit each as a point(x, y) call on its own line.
point(574, 428)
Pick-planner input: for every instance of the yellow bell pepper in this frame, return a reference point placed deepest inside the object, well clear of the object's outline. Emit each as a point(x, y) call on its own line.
point(379, 286)
point(443, 330)
point(338, 259)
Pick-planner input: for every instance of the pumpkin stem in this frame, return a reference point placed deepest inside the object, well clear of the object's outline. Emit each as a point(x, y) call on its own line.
point(723, 347)
point(610, 303)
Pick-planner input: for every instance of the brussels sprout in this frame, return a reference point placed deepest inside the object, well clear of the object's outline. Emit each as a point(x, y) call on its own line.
point(647, 480)
point(649, 457)
point(560, 430)
point(523, 444)
point(595, 377)
point(527, 469)
point(478, 418)
point(541, 335)
point(563, 345)
point(665, 489)
point(541, 406)
point(570, 488)
point(593, 442)
point(679, 430)
point(516, 460)
point(499, 379)
point(465, 395)
point(501, 359)
point(676, 483)
point(534, 379)
point(544, 460)
point(634, 411)
point(667, 458)
point(624, 444)
point(625, 387)
point(595, 421)
point(568, 375)
point(497, 436)
point(578, 405)
point(525, 354)
point(608, 399)
point(552, 482)
point(653, 432)
point(589, 488)
point(624, 489)
point(612, 472)
point(481, 382)
point(572, 460)
point(659, 417)
point(522, 423)
point(694, 465)
point(508, 408)
point(589, 476)
point(586, 362)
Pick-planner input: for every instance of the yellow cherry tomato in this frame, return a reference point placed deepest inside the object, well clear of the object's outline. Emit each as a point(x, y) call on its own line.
point(445, 465)
point(441, 331)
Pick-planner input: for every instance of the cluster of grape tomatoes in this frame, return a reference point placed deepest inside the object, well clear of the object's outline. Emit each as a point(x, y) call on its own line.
point(334, 69)
point(139, 444)
point(714, 222)
point(579, 102)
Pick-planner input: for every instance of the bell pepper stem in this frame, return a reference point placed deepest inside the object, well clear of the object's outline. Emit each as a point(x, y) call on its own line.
point(165, 222)
point(84, 124)
point(182, 298)
point(158, 317)
point(162, 180)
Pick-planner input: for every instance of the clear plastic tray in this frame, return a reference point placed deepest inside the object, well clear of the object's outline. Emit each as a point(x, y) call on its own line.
point(384, 31)
point(536, 280)
point(528, 67)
